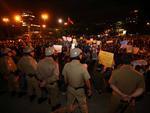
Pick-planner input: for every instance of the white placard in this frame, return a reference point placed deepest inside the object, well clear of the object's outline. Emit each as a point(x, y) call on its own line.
point(58, 48)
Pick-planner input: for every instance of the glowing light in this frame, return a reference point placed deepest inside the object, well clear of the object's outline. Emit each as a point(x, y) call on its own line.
point(17, 18)
point(136, 11)
point(148, 23)
point(65, 23)
point(43, 26)
point(124, 32)
point(60, 20)
point(6, 20)
point(45, 16)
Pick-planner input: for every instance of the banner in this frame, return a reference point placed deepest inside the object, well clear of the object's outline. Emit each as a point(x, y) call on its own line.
point(106, 58)
point(58, 48)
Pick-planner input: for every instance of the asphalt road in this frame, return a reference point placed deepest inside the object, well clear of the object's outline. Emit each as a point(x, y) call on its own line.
point(97, 104)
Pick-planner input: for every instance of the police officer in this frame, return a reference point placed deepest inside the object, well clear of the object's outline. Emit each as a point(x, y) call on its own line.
point(28, 65)
point(48, 74)
point(8, 69)
point(127, 84)
point(76, 77)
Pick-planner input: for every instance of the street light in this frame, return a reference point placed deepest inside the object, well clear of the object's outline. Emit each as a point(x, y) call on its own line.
point(43, 26)
point(44, 16)
point(60, 20)
point(5, 20)
point(17, 18)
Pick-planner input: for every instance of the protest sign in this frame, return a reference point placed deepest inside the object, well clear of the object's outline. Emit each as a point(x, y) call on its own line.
point(106, 58)
point(58, 48)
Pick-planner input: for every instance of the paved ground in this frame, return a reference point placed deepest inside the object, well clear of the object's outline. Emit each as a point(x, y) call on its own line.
point(97, 104)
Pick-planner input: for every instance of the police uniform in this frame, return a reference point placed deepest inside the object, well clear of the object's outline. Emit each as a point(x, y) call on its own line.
point(28, 65)
point(127, 80)
point(75, 75)
point(48, 72)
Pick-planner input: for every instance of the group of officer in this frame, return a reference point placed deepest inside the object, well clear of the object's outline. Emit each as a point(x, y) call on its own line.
point(45, 74)
point(126, 83)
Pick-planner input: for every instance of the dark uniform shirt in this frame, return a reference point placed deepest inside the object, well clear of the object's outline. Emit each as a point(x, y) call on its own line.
point(127, 79)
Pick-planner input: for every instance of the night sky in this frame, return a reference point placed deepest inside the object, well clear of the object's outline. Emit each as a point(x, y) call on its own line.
point(79, 10)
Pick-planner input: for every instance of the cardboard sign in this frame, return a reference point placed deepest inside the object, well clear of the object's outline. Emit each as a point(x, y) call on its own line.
point(106, 58)
point(58, 48)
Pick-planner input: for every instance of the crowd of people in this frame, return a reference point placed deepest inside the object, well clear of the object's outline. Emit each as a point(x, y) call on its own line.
point(34, 67)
